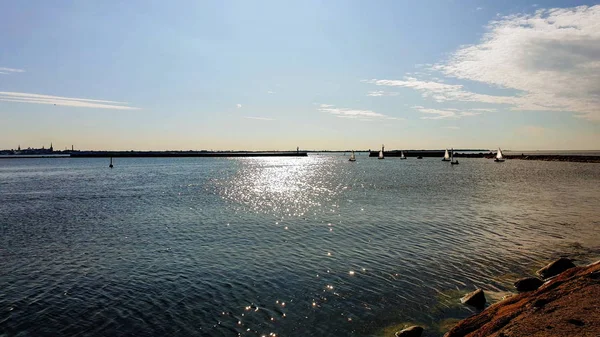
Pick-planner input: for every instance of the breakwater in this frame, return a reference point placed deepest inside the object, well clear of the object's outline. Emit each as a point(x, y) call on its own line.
point(163, 154)
point(565, 158)
point(430, 153)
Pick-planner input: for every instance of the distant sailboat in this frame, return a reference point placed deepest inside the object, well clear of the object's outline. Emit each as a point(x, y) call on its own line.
point(381, 153)
point(499, 157)
point(452, 161)
point(111, 164)
point(352, 157)
point(446, 156)
point(402, 155)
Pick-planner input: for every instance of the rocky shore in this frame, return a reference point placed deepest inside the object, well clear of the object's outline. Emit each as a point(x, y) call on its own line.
point(560, 300)
point(568, 304)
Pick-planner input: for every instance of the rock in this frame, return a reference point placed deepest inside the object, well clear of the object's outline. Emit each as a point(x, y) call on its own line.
point(413, 331)
point(475, 299)
point(555, 268)
point(528, 284)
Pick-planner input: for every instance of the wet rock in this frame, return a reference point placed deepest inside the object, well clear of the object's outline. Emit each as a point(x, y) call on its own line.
point(555, 268)
point(413, 331)
point(475, 299)
point(528, 284)
point(540, 303)
point(576, 322)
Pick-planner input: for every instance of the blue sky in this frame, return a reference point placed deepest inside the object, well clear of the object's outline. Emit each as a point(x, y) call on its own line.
point(272, 75)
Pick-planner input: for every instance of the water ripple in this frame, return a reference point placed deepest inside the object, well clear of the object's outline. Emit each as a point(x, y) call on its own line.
point(285, 246)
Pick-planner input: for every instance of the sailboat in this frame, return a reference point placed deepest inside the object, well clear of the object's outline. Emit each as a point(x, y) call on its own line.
point(446, 156)
point(381, 153)
point(402, 155)
point(499, 157)
point(111, 164)
point(352, 157)
point(452, 161)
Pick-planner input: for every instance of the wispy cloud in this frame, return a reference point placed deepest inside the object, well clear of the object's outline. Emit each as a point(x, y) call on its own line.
point(270, 92)
point(450, 127)
point(551, 59)
point(382, 93)
point(352, 113)
point(260, 118)
point(6, 71)
point(442, 92)
point(20, 97)
point(478, 8)
point(444, 113)
point(238, 105)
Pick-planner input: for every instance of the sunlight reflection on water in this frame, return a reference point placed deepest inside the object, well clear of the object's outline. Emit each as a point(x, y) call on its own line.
point(289, 187)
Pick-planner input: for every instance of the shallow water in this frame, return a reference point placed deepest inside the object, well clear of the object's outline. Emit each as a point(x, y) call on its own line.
point(313, 246)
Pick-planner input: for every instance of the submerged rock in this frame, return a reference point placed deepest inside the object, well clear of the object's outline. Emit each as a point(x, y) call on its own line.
point(413, 331)
point(475, 299)
point(528, 284)
point(555, 268)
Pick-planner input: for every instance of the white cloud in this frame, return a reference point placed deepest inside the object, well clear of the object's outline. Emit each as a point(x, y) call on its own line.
point(450, 127)
point(550, 58)
point(260, 118)
point(437, 113)
point(382, 93)
point(469, 113)
point(352, 113)
point(270, 92)
point(6, 71)
point(238, 105)
point(478, 8)
point(20, 97)
point(444, 113)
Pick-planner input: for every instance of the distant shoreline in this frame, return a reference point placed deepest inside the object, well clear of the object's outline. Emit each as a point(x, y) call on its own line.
point(225, 154)
point(161, 154)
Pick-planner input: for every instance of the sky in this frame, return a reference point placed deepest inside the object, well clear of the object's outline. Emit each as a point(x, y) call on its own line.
point(274, 75)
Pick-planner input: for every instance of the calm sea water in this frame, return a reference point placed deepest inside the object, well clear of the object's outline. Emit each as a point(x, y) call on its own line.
point(313, 246)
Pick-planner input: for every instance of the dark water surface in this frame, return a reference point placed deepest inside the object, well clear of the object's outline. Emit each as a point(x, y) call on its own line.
point(311, 246)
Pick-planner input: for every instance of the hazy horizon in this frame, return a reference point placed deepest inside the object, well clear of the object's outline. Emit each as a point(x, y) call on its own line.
point(274, 76)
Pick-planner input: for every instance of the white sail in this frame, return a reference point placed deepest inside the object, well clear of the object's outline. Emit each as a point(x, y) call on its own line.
point(499, 154)
point(352, 157)
point(380, 154)
point(446, 155)
point(402, 154)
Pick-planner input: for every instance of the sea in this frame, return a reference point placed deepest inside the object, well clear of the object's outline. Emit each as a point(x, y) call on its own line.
point(287, 246)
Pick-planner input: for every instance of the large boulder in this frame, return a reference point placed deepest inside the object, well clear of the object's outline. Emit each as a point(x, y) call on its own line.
point(475, 299)
point(555, 268)
point(413, 331)
point(528, 284)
